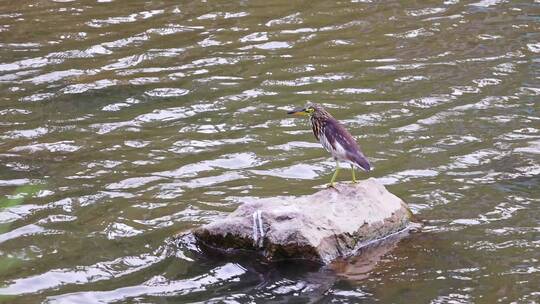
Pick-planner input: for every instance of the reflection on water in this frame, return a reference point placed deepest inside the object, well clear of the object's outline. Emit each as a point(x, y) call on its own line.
point(358, 268)
point(122, 124)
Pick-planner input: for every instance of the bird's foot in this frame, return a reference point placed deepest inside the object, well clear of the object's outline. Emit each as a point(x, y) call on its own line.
point(332, 186)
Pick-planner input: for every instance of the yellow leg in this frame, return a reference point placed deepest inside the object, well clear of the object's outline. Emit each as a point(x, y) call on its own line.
point(335, 174)
point(353, 177)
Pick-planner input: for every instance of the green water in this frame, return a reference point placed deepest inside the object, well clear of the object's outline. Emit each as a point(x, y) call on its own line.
point(123, 123)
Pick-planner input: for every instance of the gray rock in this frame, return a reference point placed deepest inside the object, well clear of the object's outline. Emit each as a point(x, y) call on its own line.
point(329, 224)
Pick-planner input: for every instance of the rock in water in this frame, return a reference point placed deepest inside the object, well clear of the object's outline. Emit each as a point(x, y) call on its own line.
point(323, 226)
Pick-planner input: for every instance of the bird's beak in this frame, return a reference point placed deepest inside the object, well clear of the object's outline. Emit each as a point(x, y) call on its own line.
point(298, 111)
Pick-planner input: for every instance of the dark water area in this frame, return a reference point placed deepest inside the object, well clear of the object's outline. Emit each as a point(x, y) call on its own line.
point(123, 123)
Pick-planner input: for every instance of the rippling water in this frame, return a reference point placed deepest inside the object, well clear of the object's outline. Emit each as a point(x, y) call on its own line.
point(125, 122)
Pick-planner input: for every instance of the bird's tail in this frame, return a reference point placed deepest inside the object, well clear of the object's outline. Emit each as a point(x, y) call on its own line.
point(361, 161)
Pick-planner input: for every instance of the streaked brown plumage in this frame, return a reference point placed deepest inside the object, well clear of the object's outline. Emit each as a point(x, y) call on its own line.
point(334, 138)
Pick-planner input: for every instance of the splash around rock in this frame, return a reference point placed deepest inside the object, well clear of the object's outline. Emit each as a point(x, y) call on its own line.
point(326, 225)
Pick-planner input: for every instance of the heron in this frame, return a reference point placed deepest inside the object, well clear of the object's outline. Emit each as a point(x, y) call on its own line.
point(334, 138)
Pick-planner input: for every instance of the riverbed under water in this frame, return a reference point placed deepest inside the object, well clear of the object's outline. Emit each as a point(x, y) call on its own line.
point(123, 123)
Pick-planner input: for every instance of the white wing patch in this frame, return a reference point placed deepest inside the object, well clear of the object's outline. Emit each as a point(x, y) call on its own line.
point(340, 152)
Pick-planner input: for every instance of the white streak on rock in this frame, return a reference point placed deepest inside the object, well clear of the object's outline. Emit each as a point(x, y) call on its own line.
point(259, 218)
point(255, 232)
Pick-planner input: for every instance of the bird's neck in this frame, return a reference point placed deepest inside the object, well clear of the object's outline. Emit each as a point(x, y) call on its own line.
point(316, 125)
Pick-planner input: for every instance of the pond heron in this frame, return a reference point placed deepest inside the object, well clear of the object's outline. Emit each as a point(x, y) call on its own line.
point(334, 138)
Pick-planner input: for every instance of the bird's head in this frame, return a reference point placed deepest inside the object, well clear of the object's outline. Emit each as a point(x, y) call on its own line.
point(311, 109)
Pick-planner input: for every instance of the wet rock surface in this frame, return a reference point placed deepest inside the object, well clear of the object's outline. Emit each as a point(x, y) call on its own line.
point(321, 227)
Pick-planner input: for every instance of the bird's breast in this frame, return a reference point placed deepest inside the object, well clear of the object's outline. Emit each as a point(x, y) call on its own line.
point(326, 143)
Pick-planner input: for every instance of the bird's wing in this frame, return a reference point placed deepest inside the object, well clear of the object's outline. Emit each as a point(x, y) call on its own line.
point(343, 142)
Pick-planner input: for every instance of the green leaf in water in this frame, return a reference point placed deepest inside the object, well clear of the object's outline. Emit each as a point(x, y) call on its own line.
point(18, 197)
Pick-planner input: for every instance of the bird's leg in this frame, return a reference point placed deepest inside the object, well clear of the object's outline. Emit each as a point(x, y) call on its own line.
point(335, 174)
point(353, 177)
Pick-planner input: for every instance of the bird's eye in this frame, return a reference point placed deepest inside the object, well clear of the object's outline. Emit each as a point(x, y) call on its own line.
point(310, 110)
